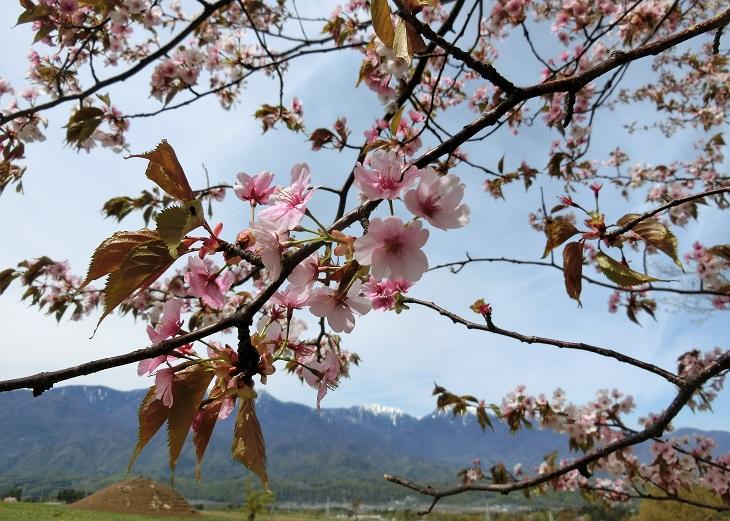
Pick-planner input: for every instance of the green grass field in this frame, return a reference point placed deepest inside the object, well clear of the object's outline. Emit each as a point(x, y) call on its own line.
point(43, 512)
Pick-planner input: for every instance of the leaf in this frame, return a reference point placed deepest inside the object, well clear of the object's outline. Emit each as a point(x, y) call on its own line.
point(558, 230)
point(395, 120)
point(174, 222)
point(82, 124)
point(415, 42)
point(721, 250)
point(655, 234)
point(37, 12)
point(203, 429)
point(620, 274)
point(573, 269)
point(188, 389)
point(500, 165)
point(382, 21)
point(165, 170)
point(152, 414)
point(483, 418)
point(248, 441)
point(143, 265)
point(400, 42)
point(109, 254)
point(6, 277)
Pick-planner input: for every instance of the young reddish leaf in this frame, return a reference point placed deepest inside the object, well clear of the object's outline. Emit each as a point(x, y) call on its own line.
point(382, 21)
point(188, 389)
point(165, 170)
point(109, 254)
point(558, 230)
point(174, 222)
point(573, 269)
point(400, 42)
point(143, 265)
point(620, 274)
point(203, 428)
point(248, 441)
point(152, 414)
point(655, 234)
point(483, 418)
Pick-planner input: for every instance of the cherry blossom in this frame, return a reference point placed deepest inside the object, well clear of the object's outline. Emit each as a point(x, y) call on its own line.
point(255, 189)
point(170, 323)
point(321, 374)
point(290, 203)
point(393, 249)
point(382, 293)
point(437, 198)
point(207, 282)
point(339, 307)
point(382, 178)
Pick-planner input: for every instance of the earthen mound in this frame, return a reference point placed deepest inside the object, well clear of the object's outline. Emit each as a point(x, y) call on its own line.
point(138, 496)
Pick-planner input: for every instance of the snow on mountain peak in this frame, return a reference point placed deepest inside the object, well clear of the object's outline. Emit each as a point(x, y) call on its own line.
point(393, 413)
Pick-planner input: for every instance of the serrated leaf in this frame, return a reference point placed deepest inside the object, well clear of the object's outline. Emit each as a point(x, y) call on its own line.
point(165, 170)
point(382, 21)
point(400, 42)
point(620, 274)
point(558, 230)
point(573, 269)
point(655, 234)
point(188, 389)
point(203, 429)
point(174, 222)
point(143, 265)
point(395, 120)
point(248, 441)
point(152, 414)
point(109, 254)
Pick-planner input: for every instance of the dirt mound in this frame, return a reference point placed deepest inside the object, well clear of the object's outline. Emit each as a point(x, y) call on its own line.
point(138, 496)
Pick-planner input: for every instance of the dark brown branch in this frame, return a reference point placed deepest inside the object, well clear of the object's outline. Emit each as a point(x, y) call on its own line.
point(456, 266)
point(563, 344)
point(676, 202)
point(207, 12)
point(692, 384)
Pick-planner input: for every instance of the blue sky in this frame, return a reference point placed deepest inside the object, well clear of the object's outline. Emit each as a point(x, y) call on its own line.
point(59, 215)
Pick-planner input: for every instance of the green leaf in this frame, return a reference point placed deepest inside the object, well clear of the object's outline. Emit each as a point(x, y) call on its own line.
point(109, 254)
point(188, 389)
point(82, 124)
point(395, 120)
point(573, 269)
point(621, 274)
point(174, 222)
point(37, 12)
point(152, 414)
point(558, 230)
point(655, 234)
point(382, 21)
point(143, 265)
point(400, 42)
point(165, 170)
point(248, 441)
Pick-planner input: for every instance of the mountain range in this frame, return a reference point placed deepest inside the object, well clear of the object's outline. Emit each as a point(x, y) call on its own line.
point(82, 437)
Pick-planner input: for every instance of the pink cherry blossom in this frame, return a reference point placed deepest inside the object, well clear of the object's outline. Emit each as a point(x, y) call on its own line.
point(163, 385)
point(293, 297)
point(327, 372)
point(268, 246)
point(382, 293)
point(393, 249)
point(207, 283)
point(383, 179)
point(339, 307)
point(290, 202)
point(437, 198)
point(255, 189)
point(169, 324)
point(305, 274)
